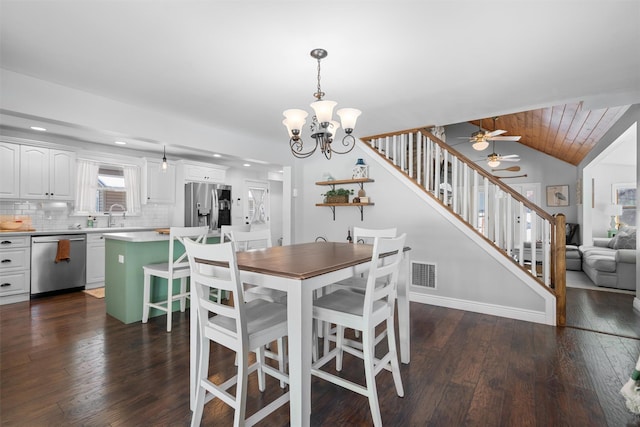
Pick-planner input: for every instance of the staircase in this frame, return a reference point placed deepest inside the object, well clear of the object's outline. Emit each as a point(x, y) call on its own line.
point(518, 229)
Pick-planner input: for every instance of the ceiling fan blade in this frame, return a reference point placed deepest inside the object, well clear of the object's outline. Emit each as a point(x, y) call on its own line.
point(496, 133)
point(508, 177)
point(504, 138)
point(510, 169)
point(510, 160)
point(508, 156)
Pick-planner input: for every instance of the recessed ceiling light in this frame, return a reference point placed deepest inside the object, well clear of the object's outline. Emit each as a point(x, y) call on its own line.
point(120, 142)
point(217, 155)
point(246, 165)
point(38, 128)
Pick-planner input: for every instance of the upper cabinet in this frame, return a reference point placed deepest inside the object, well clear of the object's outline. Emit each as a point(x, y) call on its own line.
point(47, 173)
point(203, 173)
point(159, 185)
point(9, 170)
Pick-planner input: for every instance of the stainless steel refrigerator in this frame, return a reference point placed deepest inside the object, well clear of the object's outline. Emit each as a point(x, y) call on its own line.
point(207, 204)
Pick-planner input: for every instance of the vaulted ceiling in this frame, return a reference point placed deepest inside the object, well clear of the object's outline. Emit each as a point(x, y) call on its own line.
point(566, 132)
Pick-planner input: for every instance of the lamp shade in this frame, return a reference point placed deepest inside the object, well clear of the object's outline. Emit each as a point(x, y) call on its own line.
point(294, 119)
point(348, 117)
point(333, 127)
point(614, 210)
point(323, 110)
point(285, 122)
point(493, 163)
point(480, 145)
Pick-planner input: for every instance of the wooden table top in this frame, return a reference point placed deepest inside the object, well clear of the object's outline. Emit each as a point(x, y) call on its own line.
point(305, 260)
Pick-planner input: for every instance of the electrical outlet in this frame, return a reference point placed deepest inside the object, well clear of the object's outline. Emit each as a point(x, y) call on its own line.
point(121, 259)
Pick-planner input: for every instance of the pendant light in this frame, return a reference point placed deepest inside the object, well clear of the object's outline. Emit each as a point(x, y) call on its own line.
point(165, 165)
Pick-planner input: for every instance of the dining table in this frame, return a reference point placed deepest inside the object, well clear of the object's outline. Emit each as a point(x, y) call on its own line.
point(300, 270)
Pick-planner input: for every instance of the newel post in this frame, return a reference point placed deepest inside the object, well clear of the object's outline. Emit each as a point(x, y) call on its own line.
point(560, 269)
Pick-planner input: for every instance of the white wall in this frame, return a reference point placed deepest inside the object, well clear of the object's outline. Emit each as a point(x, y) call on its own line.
point(604, 176)
point(465, 272)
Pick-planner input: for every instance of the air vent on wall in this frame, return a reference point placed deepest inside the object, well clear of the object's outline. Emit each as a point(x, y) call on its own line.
point(423, 275)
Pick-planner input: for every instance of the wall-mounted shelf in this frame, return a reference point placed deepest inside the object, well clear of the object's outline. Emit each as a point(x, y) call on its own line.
point(358, 181)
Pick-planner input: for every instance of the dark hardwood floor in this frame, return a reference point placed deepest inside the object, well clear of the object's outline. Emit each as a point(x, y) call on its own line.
point(65, 362)
point(602, 311)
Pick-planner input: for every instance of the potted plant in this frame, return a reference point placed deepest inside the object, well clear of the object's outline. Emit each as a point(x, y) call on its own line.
point(337, 195)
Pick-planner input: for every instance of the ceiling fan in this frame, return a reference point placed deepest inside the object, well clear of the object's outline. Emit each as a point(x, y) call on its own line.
point(481, 138)
point(494, 159)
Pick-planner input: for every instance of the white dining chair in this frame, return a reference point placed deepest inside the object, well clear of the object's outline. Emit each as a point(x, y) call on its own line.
point(356, 283)
point(176, 267)
point(225, 236)
point(254, 240)
point(225, 231)
point(243, 327)
point(364, 312)
point(365, 236)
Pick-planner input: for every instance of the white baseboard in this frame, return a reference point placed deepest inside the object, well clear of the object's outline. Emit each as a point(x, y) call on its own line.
point(94, 285)
point(10, 299)
point(636, 304)
point(484, 308)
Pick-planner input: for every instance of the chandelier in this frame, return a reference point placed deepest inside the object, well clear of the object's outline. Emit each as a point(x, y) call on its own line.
point(323, 127)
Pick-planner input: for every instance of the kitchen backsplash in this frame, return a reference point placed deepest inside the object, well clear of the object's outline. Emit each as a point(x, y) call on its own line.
point(58, 219)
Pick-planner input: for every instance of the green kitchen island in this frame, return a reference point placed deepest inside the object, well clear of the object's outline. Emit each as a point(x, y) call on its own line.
point(125, 255)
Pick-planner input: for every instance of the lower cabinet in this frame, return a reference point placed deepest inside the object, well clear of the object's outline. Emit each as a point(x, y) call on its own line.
point(15, 272)
point(95, 260)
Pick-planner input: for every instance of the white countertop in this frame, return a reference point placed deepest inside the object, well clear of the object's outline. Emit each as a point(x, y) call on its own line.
point(75, 231)
point(144, 236)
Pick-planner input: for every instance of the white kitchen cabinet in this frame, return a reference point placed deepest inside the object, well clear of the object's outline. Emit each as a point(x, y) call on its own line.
point(95, 260)
point(47, 173)
point(15, 268)
point(201, 173)
point(9, 170)
point(159, 186)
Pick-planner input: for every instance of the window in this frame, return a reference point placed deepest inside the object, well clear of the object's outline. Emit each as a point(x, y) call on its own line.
point(111, 189)
point(625, 195)
point(101, 185)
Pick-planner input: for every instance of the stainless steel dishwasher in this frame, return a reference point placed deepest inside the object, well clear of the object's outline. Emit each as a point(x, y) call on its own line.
point(46, 274)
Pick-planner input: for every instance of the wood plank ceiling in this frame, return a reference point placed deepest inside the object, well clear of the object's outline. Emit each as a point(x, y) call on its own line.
point(566, 132)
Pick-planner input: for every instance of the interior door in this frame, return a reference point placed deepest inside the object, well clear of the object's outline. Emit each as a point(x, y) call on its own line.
point(532, 192)
point(256, 204)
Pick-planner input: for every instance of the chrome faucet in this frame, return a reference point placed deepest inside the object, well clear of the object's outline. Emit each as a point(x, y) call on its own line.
point(111, 221)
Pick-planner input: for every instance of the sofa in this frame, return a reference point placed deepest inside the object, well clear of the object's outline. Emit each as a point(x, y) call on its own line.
point(573, 257)
point(611, 262)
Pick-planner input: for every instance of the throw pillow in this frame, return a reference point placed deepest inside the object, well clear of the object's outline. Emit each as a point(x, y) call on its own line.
point(623, 240)
point(614, 240)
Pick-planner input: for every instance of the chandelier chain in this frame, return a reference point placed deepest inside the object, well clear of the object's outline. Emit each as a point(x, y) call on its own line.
point(319, 94)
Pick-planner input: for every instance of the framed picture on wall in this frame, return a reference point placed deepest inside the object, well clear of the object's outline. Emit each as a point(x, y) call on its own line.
point(557, 195)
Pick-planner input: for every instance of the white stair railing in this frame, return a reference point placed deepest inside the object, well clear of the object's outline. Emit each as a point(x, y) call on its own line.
point(518, 228)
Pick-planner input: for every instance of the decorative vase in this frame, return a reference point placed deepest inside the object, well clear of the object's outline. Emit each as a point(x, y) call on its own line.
point(362, 193)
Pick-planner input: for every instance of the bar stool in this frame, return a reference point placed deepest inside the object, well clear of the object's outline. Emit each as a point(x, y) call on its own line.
point(174, 268)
